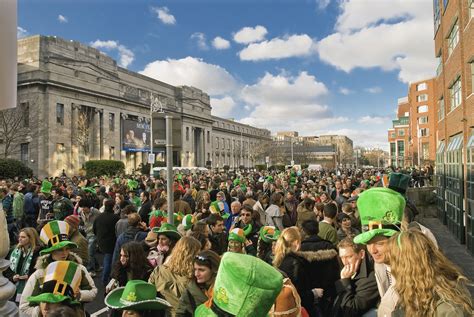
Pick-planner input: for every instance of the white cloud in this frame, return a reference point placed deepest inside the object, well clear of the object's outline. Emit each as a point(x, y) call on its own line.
point(200, 39)
point(222, 107)
point(381, 34)
point(374, 90)
point(21, 32)
point(220, 43)
point(126, 56)
point(322, 4)
point(345, 91)
point(62, 19)
point(277, 48)
point(191, 71)
point(164, 15)
point(282, 102)
point(248, 34)
point(374, 119)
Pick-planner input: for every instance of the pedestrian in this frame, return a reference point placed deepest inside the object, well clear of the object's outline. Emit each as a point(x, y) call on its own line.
point(136, 231)
point(88, 214)
point(327, 231)
point(77, 237)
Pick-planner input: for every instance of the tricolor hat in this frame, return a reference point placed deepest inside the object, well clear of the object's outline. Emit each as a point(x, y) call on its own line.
point(269, 234)
point(217, 207)
point(168, 230)
point(188, 221)
point(245, 286)
point(381, 211)
point(237, 234)
point(136, 295)
point(61, 282)
point(55, 235)
point(46, 187)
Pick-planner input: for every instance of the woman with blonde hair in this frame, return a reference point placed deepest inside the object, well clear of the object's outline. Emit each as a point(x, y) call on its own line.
point(428, 283)
point(172, 278)
point(23, 258)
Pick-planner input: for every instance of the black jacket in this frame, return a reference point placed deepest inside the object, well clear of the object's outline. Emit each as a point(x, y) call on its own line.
point(315, 243)
point(104, 230)
point(145, 210)
point(357, 295)
point(308, 270)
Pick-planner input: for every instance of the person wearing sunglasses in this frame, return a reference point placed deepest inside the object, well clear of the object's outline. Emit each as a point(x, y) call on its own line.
point(251, 227)
point(198, 291)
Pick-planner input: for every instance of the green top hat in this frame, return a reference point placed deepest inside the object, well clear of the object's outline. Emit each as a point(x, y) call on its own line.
point(269, 234)
point(132, 184)
point(168, 230)
point(136, 295)
point(46, 187)
point(399, 182)
point(245, 286)
point(55, 234)
point(382, 208)
point(61, 281)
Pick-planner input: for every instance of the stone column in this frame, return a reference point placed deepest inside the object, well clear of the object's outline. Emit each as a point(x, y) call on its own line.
point(96, 135)
point(7, 289)
point(74, 146)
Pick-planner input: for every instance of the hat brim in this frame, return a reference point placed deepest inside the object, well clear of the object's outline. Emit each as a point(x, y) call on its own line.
point(204, 311)
point(365, 237)
point(58, 246)
point(112, 300)
point(173, 235)
point(51, 299)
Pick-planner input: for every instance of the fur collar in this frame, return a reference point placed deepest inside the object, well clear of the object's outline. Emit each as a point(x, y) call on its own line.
point(43, 260)
point(314, 256)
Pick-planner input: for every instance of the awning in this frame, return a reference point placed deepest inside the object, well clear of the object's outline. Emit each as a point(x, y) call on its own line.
point(470, 142)
point(455, 143)
point(441, 147)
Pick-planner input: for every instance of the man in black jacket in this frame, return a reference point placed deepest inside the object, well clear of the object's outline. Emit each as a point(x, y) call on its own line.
point(312, 241)
point(357, 291)
point(145, 209)
point(217, 234)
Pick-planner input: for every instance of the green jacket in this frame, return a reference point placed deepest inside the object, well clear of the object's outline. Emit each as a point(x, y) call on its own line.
point(443, 309)
point(328, 232)
point(18, 204)
point(191, 298)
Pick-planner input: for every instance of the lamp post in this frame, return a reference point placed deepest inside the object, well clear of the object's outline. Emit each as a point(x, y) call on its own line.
point(292, 158)
point(155, 106)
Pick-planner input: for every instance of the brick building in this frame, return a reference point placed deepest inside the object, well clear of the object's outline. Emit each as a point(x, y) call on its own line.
point(454, 83)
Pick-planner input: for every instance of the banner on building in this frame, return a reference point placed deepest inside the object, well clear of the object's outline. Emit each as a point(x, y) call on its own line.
point(8, 54)
point(135, 136)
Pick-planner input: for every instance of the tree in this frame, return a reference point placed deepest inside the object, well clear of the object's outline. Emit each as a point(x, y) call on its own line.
point(15, 129)
point(84, 129)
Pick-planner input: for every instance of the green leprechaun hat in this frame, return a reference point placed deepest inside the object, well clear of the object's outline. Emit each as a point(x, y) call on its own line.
point(188, 221)
point(217, 207)
point(132, 184)
point(269, 234)
point(61, 282)
point(168, 230)
point(398, 182)
point(237, 234)
point(55, 235)
point(381, 211)
point(245, 286)
point(46, 187)
point(136, 295)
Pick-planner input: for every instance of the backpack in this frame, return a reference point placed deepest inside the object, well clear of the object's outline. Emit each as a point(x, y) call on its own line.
point(288, 302)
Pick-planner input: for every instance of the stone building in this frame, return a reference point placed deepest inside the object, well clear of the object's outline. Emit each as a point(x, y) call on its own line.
point(77, 105)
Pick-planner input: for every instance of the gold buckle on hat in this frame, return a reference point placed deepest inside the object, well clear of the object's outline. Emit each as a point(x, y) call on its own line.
point(60, 288)
point(375, 224)
point(55, 240)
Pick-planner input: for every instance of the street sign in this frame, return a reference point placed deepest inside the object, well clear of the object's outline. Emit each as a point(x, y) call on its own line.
point(160, 142)
point(151, 158)
point(292, 163)
point(267, 159)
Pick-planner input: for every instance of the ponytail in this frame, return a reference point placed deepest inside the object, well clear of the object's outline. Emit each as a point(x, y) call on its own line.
point(285, 244)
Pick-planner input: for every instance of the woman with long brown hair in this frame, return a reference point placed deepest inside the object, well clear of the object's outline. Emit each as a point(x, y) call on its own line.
point(427, 282)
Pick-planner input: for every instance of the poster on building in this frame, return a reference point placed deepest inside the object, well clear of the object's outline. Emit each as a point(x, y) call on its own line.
point(135, 136)
point(8, 53)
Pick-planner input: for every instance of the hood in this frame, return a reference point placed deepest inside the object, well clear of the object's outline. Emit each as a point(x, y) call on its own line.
point(43, 261)
point(315, 256)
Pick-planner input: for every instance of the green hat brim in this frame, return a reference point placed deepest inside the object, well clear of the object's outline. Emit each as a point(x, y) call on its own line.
point(365, 237)
point(203, 311)
point(113, 301)
point(173, 235)
point(51, 299)
point(58, 246)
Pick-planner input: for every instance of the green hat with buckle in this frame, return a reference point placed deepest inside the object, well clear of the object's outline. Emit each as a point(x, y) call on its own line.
point(55, 235)
point(269, 234)
point(381, 211)
point(136, 295)
point(168, 230)
point(46, 187)
point(245, 286)
point(61, 281)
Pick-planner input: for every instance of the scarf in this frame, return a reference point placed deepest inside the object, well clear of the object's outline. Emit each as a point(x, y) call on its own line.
point(15, 258)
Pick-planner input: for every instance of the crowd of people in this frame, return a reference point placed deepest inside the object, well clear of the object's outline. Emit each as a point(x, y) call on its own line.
point(244, 243)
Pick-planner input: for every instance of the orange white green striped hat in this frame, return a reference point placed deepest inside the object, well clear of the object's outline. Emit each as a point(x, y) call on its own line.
point(61, 282)
point(55, 235)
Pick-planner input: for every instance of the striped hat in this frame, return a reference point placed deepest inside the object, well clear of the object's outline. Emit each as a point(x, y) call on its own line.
point(55, 235)
point(237, 234)
point(61, 282)
point(188, 221)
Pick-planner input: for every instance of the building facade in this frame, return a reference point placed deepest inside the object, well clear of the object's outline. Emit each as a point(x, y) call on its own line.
point(454, 87)
point(398, 135)
point(78, 105)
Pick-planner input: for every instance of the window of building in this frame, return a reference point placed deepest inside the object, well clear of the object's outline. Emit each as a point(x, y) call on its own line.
point(422, 109)
point(223, 143)
point(445, 4)
point(470, 4)
point(208, 137)
point(425, 151)
point(24, 153)
point(421, 86)
point(436, 15)
point(424, 131)
point(453, 38)
point(392, 135)
point(423, 120)
point(439, 68)
point(401, 148)
point(112, 153)
point(393, 150)
point(407, 114)
point(217, 142)
point(441, 109)
point(228, 144)
point(187, 133)
point(455, 93)
point(25, 109)
point(422, 98)
point(472, 75)
point(60, 113)
point(111, 121)
point(401, 132)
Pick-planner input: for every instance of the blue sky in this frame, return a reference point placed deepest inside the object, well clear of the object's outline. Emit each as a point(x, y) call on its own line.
point(313, 66)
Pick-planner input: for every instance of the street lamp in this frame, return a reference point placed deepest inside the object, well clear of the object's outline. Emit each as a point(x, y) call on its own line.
point(155, 106)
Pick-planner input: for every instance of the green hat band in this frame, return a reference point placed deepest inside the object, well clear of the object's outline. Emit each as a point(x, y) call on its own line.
point(51, 299)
